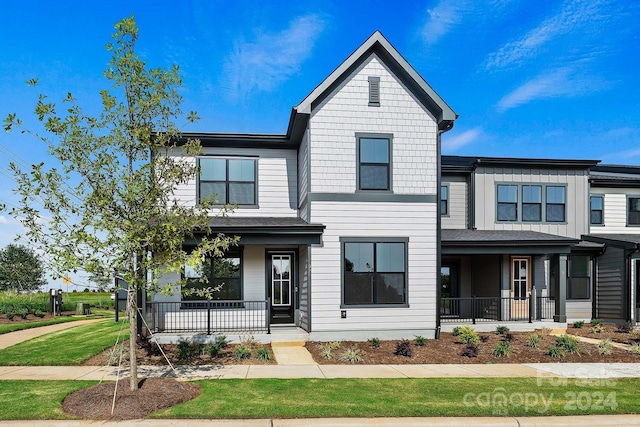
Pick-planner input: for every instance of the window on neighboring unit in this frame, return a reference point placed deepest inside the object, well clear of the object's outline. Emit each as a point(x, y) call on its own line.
point(633, 217)
point(230, 180)
point(596, 215)
point(507, 203)
point(374, 273)
point(444, 200)
point(531, 203)
point(374, 168)
point(555, 204)
point(374, 91)
point(222, 278)
point(579, 285)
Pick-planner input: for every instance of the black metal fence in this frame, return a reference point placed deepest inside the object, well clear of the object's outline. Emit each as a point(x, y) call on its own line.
point(210, 316)
point(495, 309)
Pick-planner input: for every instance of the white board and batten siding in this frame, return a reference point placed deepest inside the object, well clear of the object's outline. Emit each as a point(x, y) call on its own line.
point(333, 126)
point(577, 199)
point(277, 181)
point(457, 216)
point(615, 210)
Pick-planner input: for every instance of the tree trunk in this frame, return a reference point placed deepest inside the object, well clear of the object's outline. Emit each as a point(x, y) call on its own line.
point(132, 311)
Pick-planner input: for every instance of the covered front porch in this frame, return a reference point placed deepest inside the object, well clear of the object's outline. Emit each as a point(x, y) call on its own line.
point(503, 276)
point(261, 282)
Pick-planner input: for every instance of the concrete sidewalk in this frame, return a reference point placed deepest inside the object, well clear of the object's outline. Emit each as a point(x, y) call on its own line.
point(564, 421)
point(531, 370)
point(13, 338)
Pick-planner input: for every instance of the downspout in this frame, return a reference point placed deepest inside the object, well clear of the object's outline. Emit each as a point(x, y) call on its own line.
point(472, 199)
point(629, 253)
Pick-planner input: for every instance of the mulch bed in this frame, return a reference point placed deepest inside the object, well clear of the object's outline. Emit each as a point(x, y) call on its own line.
point(153, 394)
point(447, 350)
point(608, 332)
point(31, 318)
point(110, 357)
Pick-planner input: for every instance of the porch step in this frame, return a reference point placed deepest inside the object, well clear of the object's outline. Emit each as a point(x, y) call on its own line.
point(292, 355)
point(289, 343)
point(557, 332)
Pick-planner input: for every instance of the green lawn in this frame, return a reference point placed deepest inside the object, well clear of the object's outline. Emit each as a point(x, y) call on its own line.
point(309, 398)
point(96, 299)
point(278, 398)
point(11, 327)
point(67, 347)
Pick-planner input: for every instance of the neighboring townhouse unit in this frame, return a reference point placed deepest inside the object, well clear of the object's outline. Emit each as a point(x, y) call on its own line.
point(338, 219)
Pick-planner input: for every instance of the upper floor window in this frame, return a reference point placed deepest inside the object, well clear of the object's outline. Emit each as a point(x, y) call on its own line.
point(555, 204)
point(444, 200)
point(532, 203)
point(374, 272)
point(374, 163)
point(633, 217)
point(596, 207)
point(507, 202)
point(524, 203)
point(229, 180)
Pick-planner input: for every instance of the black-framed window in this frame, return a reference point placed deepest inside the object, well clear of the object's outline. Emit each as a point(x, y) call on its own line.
point(374, 273)
point(444, 200)
point(579, 286)
point(374, 168)
point(532, 203)
point(633, 211)
point(555, 203)
point(507, 203)
point(596, 210)
point(230, 180)
point(223, 279)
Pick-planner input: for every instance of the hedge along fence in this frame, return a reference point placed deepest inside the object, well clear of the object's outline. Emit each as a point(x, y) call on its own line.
point(21, 305)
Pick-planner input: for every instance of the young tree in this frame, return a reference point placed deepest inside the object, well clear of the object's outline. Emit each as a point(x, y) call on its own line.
point(121, 215)
point(20, 269)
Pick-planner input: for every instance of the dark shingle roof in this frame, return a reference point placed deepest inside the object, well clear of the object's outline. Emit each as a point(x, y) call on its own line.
point(633, 239)
point(261, 222)
point(505, 236)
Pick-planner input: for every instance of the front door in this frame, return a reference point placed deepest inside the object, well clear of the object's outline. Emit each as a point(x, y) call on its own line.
point(520, 286)
point(281, 285)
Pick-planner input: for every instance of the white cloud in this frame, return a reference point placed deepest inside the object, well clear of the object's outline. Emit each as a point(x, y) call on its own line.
point(442, 18)
point(563, 82)
point(271, 58)
point(576, 17)
point(3, 220)
point(458, 141)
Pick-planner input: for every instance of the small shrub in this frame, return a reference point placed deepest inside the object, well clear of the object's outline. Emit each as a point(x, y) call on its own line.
point(23, 312)
point(578, 324)
point(39, 313)
point(595, 322)
point(335, 345)
point(467, 335)
point(212, 349)
point(596, 329)
point(624, 328)
point(502, 349)
point(374, 342)
point(568, 343)
point(10, 313)
point(545, 331)
point(263, 354)
point(352, 355)
point(420, 341)
point(250, 342)
point(325, 350)
point(604, 347)
point(241, 352)
point(501, 329)
point(484, 338)
point(186, 351)
point(508, 337)
point(635, 348)
point(534, 340)
point(470, 350)
point(456, 331)
point(403, 348)
point(555, 352)
point(635, 335)
point(221, 340)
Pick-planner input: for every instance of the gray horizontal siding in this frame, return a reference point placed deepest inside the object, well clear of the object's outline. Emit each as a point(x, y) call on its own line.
point(610, 286)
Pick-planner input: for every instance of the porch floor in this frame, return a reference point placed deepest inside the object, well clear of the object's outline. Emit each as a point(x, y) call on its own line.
point(513, 326)
point(278, 333)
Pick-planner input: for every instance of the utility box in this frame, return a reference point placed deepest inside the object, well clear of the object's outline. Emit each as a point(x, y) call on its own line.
point(83, 308)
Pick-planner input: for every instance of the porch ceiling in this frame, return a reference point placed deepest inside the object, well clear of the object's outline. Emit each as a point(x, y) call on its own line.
point(265, 230)
point(471, 242)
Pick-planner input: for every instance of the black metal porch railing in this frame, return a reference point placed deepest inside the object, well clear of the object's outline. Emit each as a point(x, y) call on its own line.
point(495, 309)
point(210, 316)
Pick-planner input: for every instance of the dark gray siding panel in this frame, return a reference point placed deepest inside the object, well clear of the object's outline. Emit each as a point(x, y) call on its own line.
point(610, 292)
point(303, 291)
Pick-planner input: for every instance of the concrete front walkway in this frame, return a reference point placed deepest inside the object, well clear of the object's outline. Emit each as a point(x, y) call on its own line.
point(13, 338)
point(532, 370)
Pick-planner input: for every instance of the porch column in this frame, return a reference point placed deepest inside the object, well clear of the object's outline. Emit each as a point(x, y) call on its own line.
point(561, 291)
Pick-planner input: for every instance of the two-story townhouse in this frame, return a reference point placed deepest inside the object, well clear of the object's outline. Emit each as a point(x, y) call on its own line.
point(511, 231)
point(615, 223)
point(338, 219)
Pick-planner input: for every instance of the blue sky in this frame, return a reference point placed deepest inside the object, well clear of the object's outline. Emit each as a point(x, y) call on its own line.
point(554, 79)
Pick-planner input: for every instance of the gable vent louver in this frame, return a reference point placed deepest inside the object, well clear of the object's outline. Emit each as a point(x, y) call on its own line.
point(374, 91)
